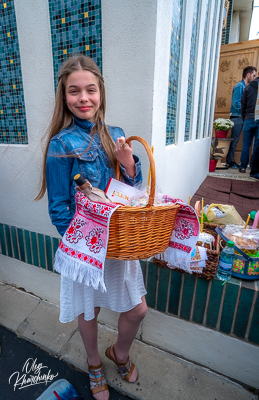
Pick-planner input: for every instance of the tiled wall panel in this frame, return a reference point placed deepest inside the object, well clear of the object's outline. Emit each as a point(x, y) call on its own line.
point(227, 29)
point(75, 28)
point(204, 47)
point(13, 129)
point(192, 66)
point(210, 76)
point(174, 68)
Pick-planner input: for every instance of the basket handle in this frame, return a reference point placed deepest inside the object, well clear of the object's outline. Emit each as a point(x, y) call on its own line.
point(152, 166)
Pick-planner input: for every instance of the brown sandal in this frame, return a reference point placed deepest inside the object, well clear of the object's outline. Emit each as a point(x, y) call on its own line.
point(97, 379)
point(125, 369)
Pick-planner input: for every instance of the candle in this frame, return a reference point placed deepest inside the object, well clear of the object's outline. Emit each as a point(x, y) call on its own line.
point(201, 215)
point(149, 173)
point(189, 200)
point(248, 218)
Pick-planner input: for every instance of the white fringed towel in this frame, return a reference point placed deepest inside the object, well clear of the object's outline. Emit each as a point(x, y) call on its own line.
point(184, 236)
point(82, 251)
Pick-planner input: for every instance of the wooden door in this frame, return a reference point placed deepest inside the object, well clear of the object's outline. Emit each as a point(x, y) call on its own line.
point(234, 58)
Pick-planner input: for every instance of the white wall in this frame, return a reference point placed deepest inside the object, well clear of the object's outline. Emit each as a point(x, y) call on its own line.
point(128, 38)
point(183, 166)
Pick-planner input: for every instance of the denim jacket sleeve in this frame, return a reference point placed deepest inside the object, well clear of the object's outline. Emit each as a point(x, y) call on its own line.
point(137, 179)
point(236, 99)
point(58, 175)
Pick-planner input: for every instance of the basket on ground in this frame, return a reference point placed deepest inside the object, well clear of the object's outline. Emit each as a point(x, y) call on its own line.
point(141, 232)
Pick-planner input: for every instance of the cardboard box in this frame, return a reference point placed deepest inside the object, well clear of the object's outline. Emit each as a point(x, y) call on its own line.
point(119, 192)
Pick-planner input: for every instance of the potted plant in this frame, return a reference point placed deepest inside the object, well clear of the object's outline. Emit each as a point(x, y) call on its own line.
point(215, 154)
point(222, 126)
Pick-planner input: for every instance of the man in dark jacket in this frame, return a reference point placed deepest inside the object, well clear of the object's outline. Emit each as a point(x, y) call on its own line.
point(249, 74)
point(255, 164)
point(251, 127)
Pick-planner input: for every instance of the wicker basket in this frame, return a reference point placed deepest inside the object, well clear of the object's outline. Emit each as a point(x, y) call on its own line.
point(213, 256)
point(141, 232)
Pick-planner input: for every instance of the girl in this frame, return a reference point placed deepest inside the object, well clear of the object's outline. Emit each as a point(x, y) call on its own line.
point(80, 142)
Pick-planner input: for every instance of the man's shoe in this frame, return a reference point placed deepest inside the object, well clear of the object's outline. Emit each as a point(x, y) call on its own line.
point(242, 170)
point(234, 165)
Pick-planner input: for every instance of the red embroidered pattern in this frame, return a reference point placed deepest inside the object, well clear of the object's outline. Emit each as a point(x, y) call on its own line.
point(180, 246)
point(73, 233)
point(183, 230)
point(80, 256)
point(94, 241)
point(84, 204)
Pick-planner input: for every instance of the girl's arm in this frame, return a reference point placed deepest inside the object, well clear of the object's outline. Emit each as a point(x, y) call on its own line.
point(58, 174)
point(129, 163)
point(124, 155)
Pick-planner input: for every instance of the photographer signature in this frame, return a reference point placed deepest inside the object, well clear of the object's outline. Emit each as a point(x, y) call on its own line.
point(32, 375)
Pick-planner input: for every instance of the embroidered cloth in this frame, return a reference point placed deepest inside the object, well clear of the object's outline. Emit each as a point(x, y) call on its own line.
point(198, 259)
point(82, 250)
point(184, 236)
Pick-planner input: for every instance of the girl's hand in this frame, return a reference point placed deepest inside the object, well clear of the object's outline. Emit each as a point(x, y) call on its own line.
point(123, 153)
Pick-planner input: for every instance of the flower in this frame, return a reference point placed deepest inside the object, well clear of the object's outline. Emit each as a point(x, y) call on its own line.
point(222, 124)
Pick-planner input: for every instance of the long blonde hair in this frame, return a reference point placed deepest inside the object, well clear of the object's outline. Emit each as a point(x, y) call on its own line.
point(62, 117)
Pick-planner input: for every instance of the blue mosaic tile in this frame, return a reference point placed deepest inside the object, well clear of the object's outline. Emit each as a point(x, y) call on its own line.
point(214, 66)
point(205, 131)
point(75, 28)
point(192, 65)
point(13, 128)
point(174, 71)
point(227, 29)
point(202, 69)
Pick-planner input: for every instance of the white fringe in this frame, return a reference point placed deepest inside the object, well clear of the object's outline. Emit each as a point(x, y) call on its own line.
point(79, 271)
point(176, 259)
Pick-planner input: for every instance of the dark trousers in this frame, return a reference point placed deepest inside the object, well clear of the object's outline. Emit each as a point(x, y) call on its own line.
point(250, 131)
point(235, 135)
point(255, 161)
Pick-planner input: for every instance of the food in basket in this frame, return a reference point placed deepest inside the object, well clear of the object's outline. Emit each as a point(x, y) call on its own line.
point(206, 240)
point(142, 200)
point(245, 239)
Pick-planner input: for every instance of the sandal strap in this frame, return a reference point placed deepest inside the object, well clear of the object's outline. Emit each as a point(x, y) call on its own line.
point(126, 371)
point(97, 379)
point(125, 368)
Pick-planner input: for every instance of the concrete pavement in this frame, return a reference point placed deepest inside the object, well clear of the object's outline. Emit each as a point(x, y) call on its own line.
point(163, 376)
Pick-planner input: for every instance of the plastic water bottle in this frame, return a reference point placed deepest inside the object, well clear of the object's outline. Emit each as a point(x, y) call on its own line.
point(226, 260)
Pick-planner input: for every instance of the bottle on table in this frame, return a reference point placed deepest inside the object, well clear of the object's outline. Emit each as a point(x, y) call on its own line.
point(226, 260)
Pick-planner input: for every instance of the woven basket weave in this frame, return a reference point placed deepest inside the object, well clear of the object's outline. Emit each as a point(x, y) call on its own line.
point(141, 232)
point(213, 256)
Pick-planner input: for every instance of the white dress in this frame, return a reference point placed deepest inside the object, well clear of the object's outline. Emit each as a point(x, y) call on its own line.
point(124, 284)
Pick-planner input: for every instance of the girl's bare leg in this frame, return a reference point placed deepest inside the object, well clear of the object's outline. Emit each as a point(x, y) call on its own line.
point(89, 334)
point(128, 326)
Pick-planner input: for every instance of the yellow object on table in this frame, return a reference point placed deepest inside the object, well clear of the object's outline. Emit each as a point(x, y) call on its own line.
point(201, 215)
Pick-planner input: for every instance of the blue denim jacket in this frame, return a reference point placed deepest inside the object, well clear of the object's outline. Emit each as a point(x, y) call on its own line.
point(235, 110)
point(93, 165)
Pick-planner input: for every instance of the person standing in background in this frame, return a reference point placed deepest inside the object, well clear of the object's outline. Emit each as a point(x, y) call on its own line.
point(249, 74)
point(250, 131)
point(254, 173)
